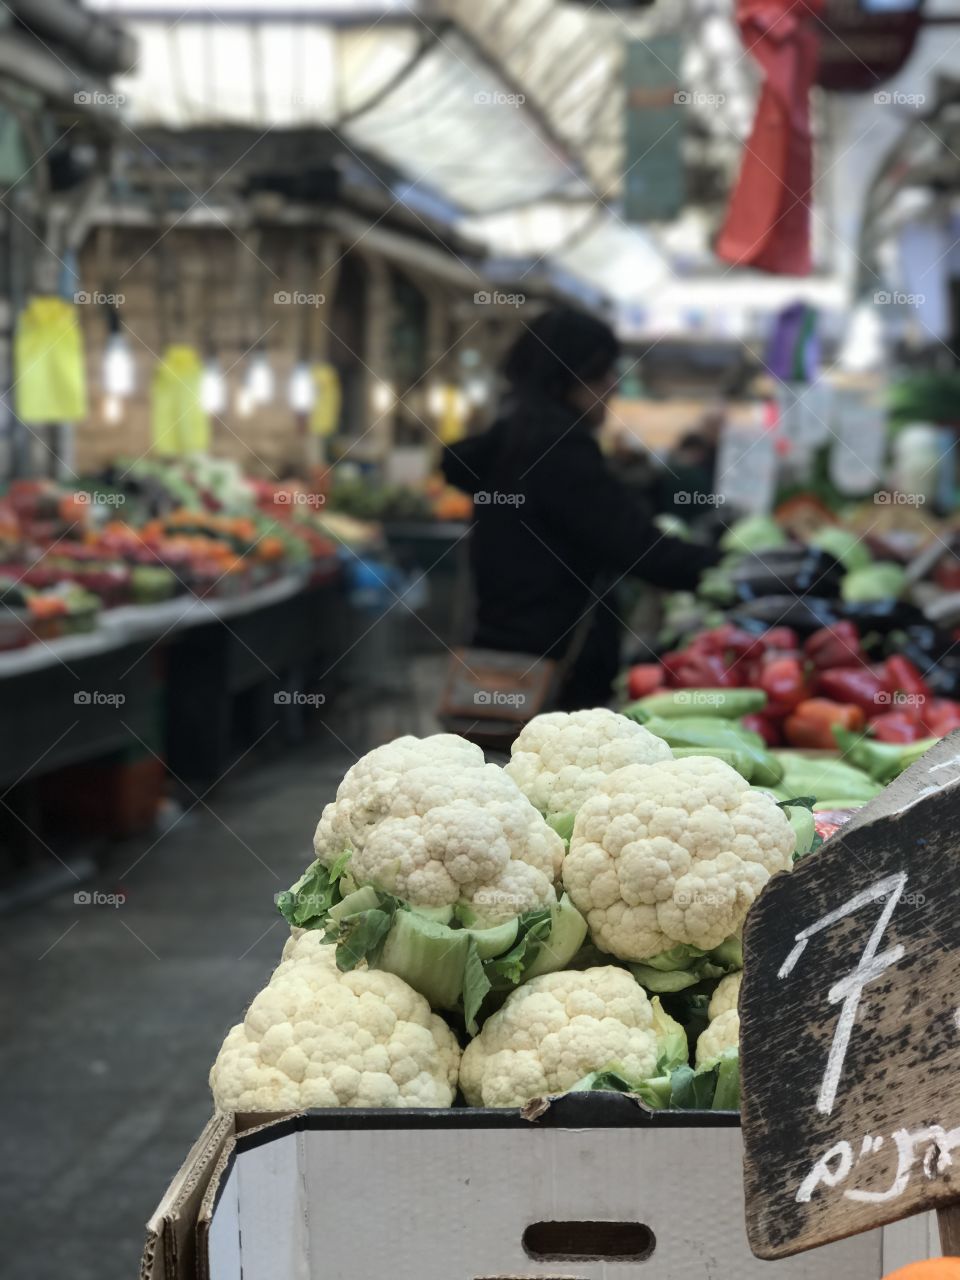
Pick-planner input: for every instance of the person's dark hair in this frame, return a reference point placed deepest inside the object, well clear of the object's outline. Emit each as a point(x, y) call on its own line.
point(561, 348)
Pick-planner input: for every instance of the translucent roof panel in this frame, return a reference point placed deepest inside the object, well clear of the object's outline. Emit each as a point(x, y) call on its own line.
point(456, 123)
point(205, 71)
point(426, 102)
point(582, 238)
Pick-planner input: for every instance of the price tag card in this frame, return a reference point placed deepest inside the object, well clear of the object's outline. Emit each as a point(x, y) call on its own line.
point(746, 472)
point(805, 414)
point(858, 458)
point(850, 1022)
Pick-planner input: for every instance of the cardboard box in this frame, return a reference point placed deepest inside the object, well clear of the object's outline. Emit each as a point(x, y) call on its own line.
point(593, 1188)
point(169, 1252)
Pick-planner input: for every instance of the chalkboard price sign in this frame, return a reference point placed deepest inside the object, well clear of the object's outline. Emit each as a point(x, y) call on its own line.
point(850, 1023)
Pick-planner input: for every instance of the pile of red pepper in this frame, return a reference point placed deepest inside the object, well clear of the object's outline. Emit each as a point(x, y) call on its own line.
point(812, 687)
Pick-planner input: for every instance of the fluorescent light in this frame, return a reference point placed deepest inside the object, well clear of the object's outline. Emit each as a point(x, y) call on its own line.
point(118, 367)
point(382, 397)
point(244, 403)
point(260, 381)
point(437, 399)
point(213, 388)
point(303, 391)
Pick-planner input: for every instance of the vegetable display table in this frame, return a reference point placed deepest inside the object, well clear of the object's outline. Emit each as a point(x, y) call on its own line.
point(431, 551)
point(251, 671)
point(167, 678)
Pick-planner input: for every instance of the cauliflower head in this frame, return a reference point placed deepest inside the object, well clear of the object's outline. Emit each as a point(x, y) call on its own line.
point(554, 1031)
point(725, 996)
point(673, 853)
point(718, 1036)
point(561, 758)
point(430, 822)
point(315, 1037)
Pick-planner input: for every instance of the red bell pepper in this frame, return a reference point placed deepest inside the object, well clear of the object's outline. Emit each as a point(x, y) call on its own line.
point(897, 726)
point(861, 688)
point(689, 669)
point(940, 716)
point(903, 678)
point(766, 725)
point(836, 646)
point(782, 679)
point(829, 823)
point(812, 723)
point(781, 638)
point(644, 678)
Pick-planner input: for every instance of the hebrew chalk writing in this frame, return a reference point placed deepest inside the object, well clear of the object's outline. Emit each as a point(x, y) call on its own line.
point(850, 989)
point(931, 1146)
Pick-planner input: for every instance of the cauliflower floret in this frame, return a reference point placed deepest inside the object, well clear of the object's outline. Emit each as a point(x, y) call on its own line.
point(369, 788)
point(670, 853)
point(560, 759)
point(554, 1031)
point(725, 996)
point(315, 1037)
point(719, 1035)
point(430, 822)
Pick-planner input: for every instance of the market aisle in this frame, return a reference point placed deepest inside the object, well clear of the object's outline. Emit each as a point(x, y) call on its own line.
point(114, 1014)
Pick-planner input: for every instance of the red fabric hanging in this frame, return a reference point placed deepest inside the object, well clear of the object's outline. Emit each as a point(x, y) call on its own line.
point(768, 219)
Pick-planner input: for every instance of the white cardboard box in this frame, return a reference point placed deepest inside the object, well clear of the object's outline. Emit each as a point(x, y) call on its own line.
point(458, 1195)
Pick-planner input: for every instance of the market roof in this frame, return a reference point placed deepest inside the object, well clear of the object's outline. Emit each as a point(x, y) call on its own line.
point(508, 114)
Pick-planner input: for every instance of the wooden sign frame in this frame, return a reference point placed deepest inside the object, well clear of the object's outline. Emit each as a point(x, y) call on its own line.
point(850, 1023)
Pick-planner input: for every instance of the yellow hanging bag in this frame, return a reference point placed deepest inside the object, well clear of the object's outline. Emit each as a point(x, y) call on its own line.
point(453, 415)
point(325, 415)
point(180, 424)
point(49, 367)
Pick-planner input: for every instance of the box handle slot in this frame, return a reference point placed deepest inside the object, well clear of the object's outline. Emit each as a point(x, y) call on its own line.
point(588, 1241)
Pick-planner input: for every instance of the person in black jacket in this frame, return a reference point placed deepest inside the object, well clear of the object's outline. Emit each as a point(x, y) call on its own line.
point(554, 527)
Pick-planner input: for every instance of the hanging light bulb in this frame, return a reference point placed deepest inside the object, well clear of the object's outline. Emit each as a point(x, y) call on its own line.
point(383, 397)
point(436, 399)
point(864, 347)
point(259, 380)
point(303, 391)
point(118, 367)
point(112, 408)
point(213, 388)
point(478, 390)
point(244, 403)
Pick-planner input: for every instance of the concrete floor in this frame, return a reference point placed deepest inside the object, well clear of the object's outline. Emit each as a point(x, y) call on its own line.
point(112, 1015)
